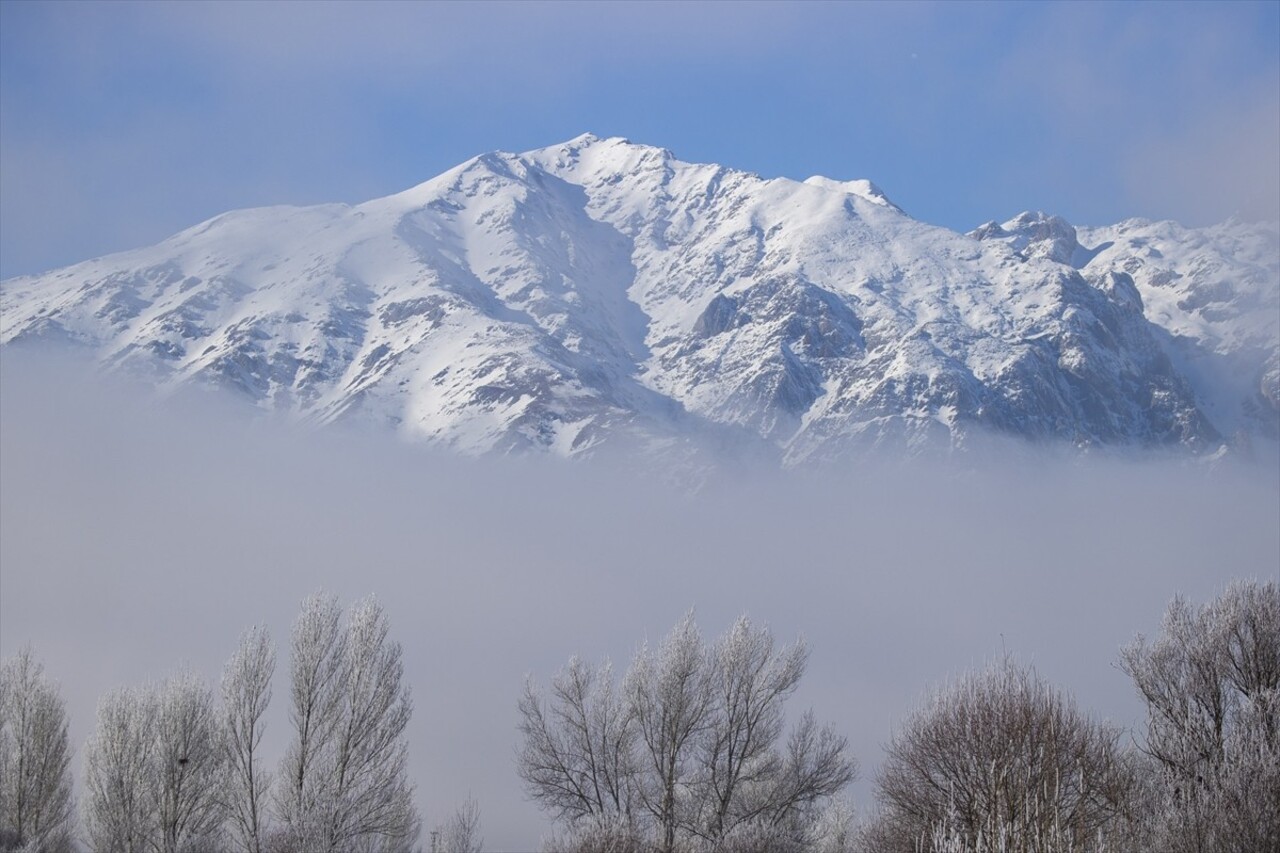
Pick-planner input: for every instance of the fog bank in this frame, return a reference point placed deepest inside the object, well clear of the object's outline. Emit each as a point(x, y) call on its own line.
point(136, 536)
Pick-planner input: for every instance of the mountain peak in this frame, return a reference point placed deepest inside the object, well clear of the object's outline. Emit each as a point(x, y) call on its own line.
point(1035, 234)
point(860, 187)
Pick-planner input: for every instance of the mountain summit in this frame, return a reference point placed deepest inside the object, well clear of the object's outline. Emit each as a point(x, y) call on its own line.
point(602, 291)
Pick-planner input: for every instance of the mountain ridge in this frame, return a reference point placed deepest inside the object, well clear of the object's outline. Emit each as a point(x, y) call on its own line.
point(602, 292)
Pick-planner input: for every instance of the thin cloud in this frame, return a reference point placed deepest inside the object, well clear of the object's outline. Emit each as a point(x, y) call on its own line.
point(124, 123)
point(1162, 112)
point(1223, 164)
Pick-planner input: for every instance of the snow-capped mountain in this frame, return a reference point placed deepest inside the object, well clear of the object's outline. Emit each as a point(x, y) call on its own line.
point(602, 291)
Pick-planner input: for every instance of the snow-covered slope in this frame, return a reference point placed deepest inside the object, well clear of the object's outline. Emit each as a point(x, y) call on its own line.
point(1212, 293)
point(601, 291)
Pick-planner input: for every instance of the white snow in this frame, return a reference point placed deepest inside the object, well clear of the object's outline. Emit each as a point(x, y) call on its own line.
point(551, 299)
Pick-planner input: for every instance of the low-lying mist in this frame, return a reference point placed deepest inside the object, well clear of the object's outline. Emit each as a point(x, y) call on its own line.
point(136, 537)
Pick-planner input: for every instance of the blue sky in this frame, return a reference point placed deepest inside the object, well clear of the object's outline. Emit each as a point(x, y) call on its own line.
point(123, 123)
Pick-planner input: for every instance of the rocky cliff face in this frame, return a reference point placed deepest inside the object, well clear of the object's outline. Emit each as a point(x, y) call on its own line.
point(601, 292)
point(1212, 294)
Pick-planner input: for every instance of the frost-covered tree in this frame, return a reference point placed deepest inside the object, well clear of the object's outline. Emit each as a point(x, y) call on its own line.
point(599, 834)
point(155, 770)
point(1002, 761)
point(750, 680)
point(373, 795)
point(577, 756)
point(246, 692)
point(344, 780)
point(746, 779)
point(1211, 683)
point(36, 809)
point(461, 832)
point(688, 755)
point(189, 762)
point(315, 692)
point(121, 788)
point(835, 830)
point(671, 697)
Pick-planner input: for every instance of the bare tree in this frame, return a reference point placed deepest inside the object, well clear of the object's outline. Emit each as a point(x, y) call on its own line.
point(750, 682)
point(1001, 756)
point(1211, 684)
point(577, 758)
point(36, 810)
point(747, 779)
point(671, 696)
point(461, 832)
point(689, 755)
point(815, 768)
point(344, 779)
point(120, 783)
point(246, 692)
